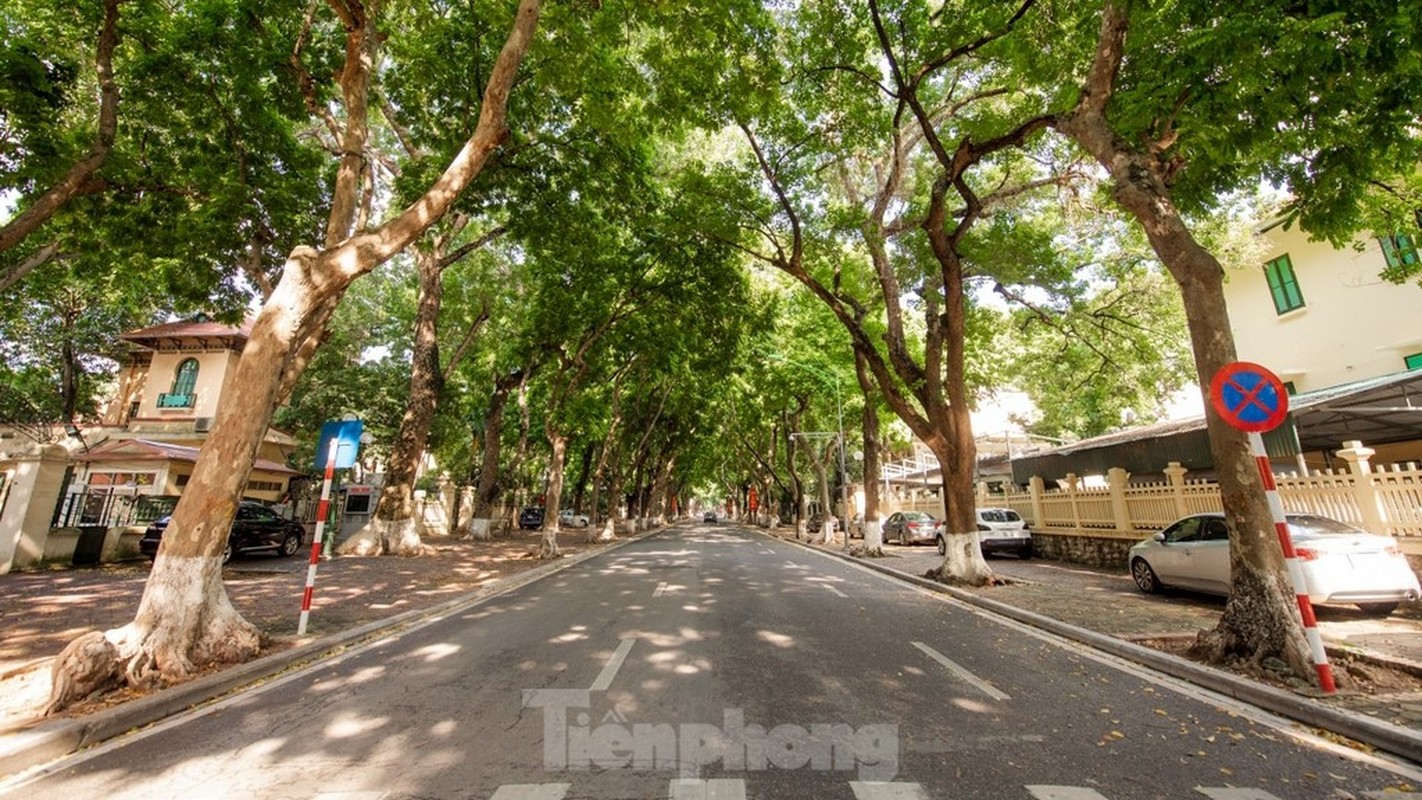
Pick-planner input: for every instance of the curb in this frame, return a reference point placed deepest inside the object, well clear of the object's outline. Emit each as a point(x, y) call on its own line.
point(1394, 739)
point(38, 742)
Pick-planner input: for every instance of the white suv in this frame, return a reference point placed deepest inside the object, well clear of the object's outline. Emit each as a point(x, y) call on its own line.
point(1000, 530)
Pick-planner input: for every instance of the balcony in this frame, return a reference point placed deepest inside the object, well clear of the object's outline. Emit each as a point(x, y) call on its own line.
point(176, 400)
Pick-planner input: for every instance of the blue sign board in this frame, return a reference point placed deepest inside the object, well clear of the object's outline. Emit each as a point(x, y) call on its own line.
point(345, 433)
point(1249, 397)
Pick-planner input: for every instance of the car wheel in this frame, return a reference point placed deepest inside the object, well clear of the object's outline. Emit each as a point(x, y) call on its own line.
point(227, 552)
point(942, 545)
point(904, 537)
point(290, 545)
point(1145, 577)
point(1026, 552)
point(1378, 609)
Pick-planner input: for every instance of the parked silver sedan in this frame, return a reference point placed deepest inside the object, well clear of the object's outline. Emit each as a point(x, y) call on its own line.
point(1341, 564)
point(910, 527)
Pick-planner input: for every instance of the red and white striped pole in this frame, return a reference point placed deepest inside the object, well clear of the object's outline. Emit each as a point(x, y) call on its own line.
point(1291, 560)
point(322, 510)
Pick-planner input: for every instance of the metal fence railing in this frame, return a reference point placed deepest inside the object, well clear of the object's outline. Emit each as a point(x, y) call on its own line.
point(111, 510)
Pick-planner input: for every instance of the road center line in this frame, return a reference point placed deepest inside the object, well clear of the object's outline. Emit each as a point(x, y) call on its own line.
point(604, 679)
point(715, 789)
point(532, 791)
point(957, 669)
point(1064, 793)
point(880, 790)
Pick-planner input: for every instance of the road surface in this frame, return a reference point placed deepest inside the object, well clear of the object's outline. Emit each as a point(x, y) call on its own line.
point(709, 662)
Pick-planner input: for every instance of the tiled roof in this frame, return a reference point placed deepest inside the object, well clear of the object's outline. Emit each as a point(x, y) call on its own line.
point(148, 449)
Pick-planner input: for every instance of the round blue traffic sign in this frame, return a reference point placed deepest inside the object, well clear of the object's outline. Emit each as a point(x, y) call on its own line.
point(1249, 397)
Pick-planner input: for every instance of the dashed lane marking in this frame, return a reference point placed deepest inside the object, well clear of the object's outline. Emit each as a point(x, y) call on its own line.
point(962, 672)
point(604, 679)
point(715, 789)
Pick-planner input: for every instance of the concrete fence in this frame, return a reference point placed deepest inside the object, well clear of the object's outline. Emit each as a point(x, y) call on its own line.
point(1385, 499)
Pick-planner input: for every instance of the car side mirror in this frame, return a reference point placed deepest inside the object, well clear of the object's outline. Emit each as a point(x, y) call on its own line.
point(1159, 537)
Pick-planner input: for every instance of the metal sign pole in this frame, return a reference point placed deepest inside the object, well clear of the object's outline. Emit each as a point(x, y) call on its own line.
point(1291, 561)
point(322, 510)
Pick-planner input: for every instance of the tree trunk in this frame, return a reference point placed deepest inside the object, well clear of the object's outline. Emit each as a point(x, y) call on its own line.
point(873, 528)
point(558, 445)
point(392, 529)
point(487, 489)
point(1260, 618)
point(184, 618)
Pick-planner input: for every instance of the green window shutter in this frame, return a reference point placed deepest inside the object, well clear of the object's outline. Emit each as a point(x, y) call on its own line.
point(186, 380)
point(1283, 284)
point(1400, 250)
point(1413, 361)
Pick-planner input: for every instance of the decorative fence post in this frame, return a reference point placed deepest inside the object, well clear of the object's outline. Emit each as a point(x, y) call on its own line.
point(1117, 478)
point(1036, 486)
point(1071, 482)
point(1366, 493)
point(1176, 474)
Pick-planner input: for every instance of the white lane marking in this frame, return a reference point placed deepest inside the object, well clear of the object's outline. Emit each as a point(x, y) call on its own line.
point(358, 795)
point(715, 789)
point(661, 587)
point(532, 791)
point(883, 790)
point(604, 679)
point(957, 669)
point(836, 591)
point(1235, 794)
point(1064, 793)
point(1179, 686)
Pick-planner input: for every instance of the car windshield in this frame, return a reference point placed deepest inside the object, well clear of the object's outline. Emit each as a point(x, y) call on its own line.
point(917, 516)
point(1321, 526)
point(999, 515)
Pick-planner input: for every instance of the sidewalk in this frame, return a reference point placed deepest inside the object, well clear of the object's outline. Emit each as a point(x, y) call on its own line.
point(1377, 661)
point(41, 612)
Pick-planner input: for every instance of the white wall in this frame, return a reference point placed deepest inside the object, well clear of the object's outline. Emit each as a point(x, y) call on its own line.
point(1353, 324)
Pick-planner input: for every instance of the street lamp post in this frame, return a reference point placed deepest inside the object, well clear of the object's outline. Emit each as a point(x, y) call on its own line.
point(833, 383)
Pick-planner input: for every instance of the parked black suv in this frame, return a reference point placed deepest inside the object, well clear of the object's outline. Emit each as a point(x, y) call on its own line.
point(256, 528)
point(531, 518)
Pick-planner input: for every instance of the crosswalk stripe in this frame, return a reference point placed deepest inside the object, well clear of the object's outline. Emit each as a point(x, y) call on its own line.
point(1064, 793)
point(715, 789)
point(532, 791)
point(1232, 793)
point(884, 790)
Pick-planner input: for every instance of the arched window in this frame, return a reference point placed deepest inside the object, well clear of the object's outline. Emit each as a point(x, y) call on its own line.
point(186, 379)
point(184, 384)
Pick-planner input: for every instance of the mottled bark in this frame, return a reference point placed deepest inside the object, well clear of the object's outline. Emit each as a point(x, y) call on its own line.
point(184, 618)
point(1260, 619)
point(393, 529)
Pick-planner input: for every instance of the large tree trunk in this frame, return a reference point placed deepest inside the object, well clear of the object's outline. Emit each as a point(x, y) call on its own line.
point(1260, 618)
point(184, 618)
point(557, 459)
point(487, 489)
point(392, 528)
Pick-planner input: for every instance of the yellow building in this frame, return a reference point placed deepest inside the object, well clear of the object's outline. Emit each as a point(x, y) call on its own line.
point(133, 465)
point(1319, 316)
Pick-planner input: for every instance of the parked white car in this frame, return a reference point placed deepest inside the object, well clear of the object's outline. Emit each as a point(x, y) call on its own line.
point(567, 519)
point(1341, 564)
point(1000, 530)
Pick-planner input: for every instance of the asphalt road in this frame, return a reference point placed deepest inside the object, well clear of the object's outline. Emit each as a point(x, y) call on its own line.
point(713, 663)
